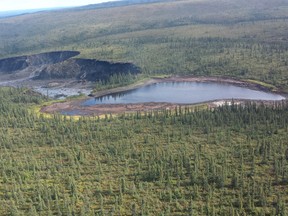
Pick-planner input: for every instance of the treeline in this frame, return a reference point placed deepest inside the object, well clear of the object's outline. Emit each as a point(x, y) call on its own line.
point(231, 160)
point(116, 80)
point(244, 58)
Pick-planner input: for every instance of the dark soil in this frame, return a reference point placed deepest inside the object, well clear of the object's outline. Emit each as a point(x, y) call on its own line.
point(61, 65)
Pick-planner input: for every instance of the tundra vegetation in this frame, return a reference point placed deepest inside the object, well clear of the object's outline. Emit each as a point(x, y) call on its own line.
point(230, 160)
point(246, 39)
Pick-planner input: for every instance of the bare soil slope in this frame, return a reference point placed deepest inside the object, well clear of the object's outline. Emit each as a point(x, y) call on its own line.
point(60, 65)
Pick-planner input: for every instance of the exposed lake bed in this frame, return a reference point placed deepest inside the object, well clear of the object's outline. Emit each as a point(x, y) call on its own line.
point(177, 85)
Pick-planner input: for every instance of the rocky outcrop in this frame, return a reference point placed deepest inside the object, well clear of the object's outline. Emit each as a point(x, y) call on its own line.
point(61, 65)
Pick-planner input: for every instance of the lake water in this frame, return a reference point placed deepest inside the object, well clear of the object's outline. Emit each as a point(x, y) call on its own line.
point(182, 93)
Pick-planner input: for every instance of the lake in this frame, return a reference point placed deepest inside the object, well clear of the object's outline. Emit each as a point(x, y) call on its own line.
point(182, 93)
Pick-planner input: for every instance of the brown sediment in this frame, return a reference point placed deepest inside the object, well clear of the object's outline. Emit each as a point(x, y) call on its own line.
point(68, 106)
point(97, 110)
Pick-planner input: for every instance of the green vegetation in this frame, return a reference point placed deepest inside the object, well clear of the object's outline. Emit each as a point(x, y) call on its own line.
point(246, 39)
point(229, 161)
point(265, 85)
point(117, 80)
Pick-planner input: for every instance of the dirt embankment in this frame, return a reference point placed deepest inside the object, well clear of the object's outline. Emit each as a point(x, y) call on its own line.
point(59, 74)
point(75, 108)
point(16, 64)
point(61, 65)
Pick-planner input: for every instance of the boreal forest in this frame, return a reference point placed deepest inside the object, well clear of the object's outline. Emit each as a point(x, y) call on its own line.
point(186, 160)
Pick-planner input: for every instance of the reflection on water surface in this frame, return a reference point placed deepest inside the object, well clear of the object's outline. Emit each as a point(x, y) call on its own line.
point(182, 93)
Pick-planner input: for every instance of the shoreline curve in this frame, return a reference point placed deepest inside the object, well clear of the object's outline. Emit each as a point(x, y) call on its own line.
point(74, 107)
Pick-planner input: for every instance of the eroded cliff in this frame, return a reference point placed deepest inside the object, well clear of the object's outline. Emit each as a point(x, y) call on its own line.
point(61, 65)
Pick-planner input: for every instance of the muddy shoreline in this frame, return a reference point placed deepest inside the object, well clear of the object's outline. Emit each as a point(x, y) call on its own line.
point(74, 107)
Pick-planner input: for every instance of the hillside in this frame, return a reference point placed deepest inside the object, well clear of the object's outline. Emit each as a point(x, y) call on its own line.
point(246, 39)
point(174, 160)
